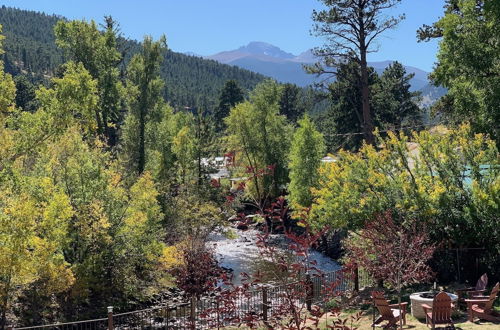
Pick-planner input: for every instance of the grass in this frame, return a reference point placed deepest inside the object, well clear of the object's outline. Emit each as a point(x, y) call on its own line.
point(412, 323)
point(365, 322)
point(365, 307)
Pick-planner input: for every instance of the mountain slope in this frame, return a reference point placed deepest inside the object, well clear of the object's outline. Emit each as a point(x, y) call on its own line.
point(285, 67)
point(190, 80)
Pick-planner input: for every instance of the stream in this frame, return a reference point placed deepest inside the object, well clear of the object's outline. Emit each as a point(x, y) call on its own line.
point(241, 254)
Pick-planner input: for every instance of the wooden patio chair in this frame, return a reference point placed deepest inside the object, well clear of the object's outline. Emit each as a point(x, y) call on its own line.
point(473, 291)
point(482, 307)
point(440, 312)
point(391, 313)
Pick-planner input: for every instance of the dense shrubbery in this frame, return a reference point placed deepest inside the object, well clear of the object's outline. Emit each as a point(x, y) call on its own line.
point(448, 179)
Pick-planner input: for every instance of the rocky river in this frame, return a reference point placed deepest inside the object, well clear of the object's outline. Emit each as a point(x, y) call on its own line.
point(241, 254)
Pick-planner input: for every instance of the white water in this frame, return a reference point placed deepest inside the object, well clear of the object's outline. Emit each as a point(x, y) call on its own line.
point(241, 254)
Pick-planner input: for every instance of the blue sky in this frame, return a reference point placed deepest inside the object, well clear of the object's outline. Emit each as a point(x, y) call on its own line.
point(206, 27)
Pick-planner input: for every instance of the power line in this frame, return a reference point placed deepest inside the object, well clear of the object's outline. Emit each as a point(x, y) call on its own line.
point(386, 130)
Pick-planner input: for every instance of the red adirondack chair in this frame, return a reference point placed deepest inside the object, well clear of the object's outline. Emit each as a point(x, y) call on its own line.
point(473, 291)
point(440, 312)
point(482, 307)
point(391, 313)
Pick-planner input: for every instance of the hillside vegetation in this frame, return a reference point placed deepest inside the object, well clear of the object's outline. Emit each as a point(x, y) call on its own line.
point(189, 80)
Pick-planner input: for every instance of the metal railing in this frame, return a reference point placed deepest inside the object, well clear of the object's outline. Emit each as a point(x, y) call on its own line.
point(209, 312)
point(96, 324)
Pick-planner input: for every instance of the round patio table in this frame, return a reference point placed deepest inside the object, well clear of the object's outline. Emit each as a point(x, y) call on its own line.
point(417, 301)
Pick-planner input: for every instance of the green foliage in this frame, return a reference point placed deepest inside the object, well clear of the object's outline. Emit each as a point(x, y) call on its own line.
point(447, 180)
point(184, 148)
point(25, 94)
point(290, 105)
point(74, 233)
point(73, 98)
point(261, 136)
point(306, 151)
point(468, 58)
point(114, 239)
point(392, 104)
point(144, 89)
point(33, 229)
point(345, 113)
point(230, 96)
point(7, 86)
point(99, 54)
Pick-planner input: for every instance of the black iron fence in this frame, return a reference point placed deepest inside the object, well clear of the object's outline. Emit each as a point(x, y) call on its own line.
point(214, 312)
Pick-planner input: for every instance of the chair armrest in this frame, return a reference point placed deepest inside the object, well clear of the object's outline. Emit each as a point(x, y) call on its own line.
point(402, 305)
point(476, 301)
point(475, 292)
point(426, 307)
point(479, 302)
point(465, 289)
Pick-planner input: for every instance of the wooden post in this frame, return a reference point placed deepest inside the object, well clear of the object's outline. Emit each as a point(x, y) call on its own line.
point(110, 318)
point(373, 313)
point(217, 306)
point(168, 314)
point(309, 292)
point(193, 312)
point(265, 304)
point(356, 279)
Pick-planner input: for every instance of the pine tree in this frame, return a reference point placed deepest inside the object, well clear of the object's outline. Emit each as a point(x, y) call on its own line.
point(290, 104)
point(230, 95)
point(393, 102)
point(351, 26)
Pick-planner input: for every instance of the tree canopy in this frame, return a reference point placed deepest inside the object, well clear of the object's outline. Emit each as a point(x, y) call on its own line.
point(351, 28)
point(467, 65)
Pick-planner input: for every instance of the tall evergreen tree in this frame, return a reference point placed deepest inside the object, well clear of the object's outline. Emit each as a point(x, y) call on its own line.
point(343, 120)
point(290, 104)
point(25, 94)
point(393, 102)
point(351, 26)
point(230, 95)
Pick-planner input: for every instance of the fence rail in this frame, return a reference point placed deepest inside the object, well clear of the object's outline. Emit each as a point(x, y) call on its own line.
point(206, 313)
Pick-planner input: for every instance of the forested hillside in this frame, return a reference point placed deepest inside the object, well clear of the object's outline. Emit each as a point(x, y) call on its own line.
point(189, 81)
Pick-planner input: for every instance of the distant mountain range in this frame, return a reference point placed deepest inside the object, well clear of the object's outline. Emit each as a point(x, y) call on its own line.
point(272, 61)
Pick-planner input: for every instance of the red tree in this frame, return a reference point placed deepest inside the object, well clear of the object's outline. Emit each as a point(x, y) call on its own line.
point(395, 253)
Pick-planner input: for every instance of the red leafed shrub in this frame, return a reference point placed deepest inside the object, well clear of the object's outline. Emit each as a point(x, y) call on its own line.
point(394, 252)
point(199, 272)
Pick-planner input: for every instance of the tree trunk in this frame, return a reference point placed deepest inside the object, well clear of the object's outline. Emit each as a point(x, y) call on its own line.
point(365, 98)
point(400, 311)
point(142, 155)
point(3, 316)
